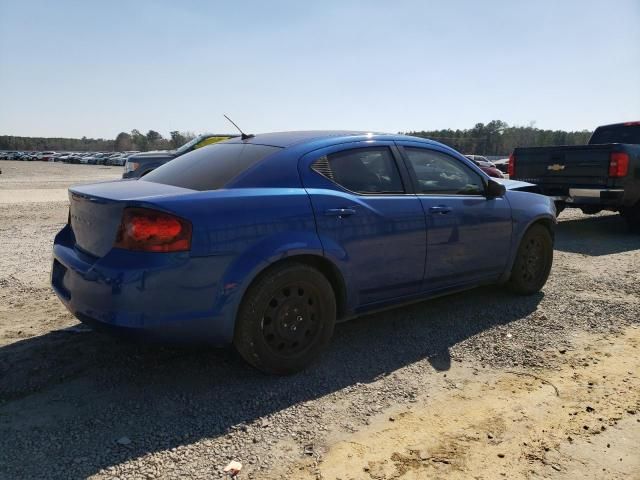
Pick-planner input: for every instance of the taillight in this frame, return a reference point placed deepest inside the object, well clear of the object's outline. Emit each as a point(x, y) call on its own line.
point(149, 230)
point(131, 166)
point(618, 164)
point(512, 165)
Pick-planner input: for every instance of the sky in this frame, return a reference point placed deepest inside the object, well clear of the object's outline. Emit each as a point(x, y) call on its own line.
point(95, 68)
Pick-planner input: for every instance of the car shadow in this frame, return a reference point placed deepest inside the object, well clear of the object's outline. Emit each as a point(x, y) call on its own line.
point(103, 389)
point(593, 235)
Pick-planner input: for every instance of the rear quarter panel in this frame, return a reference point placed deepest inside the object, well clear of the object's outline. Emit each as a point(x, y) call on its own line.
point(246, 230)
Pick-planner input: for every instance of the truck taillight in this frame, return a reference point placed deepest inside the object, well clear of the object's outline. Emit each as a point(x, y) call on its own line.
point(148, 230)
point(618, 164)
point(131, 166)
point(512, 165)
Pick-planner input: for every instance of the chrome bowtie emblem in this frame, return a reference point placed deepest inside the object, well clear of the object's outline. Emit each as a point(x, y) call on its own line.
point(556, 167)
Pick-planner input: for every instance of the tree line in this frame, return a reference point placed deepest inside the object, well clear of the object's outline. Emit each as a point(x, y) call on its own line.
point(135, 140)
point(493, 138)
point(498, 138)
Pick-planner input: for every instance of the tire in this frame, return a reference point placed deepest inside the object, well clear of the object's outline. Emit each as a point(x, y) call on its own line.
point(533, 261)
point(286, 319)
point(591, 210)
point(632, 217)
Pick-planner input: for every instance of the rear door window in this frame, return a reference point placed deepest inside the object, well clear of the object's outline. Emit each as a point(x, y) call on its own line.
point(210, 167)
point(362, 170)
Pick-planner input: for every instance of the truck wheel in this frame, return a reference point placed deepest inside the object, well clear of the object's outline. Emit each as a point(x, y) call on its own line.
point(286, 319)
point(533, 261)
point(590, 210)
point(632, 217)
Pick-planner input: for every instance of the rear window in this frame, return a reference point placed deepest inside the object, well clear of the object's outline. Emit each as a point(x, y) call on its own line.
point(211, 167)
point(616, 134)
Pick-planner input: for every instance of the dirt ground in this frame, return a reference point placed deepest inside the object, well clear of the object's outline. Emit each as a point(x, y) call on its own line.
point(33, 208)
point(577, 420)
point(481, 384)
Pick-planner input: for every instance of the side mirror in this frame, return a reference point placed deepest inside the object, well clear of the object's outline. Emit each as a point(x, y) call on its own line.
point(495, 189)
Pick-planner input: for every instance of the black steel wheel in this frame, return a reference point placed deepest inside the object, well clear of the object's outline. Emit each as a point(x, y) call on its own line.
point(286, 318)
point(290, 321)
point(533, 261)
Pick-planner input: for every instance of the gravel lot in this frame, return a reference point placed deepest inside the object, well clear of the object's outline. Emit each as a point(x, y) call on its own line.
point(77, 404)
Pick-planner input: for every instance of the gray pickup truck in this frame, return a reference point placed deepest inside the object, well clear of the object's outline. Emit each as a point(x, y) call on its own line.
point(140, 164)
point(603, 175)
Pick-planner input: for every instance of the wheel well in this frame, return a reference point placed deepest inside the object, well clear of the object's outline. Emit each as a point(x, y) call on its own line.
point(324, 266)
point(546, 223)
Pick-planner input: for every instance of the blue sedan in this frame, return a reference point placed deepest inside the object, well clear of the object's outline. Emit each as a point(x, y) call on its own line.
point(264, 242)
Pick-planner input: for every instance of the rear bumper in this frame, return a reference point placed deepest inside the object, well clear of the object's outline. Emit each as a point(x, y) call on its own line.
point(605, 194)
point(593, 196)
point(170, 298)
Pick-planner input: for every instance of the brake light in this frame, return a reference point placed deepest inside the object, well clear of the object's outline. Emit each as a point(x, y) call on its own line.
point(131, 166)
point(512, 165)
point(618, 164)
point(148, 230)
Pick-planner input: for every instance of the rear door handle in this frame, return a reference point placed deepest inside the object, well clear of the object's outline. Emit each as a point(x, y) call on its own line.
point(440, 210)
point(340, 212)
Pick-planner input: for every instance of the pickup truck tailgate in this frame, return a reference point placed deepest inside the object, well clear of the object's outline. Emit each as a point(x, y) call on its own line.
point(581, 165)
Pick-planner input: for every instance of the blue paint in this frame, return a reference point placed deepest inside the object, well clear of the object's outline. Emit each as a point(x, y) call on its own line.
point(387, 248)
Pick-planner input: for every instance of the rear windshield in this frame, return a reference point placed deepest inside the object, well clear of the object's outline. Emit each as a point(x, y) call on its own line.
point(211, 167)
point(616, 134)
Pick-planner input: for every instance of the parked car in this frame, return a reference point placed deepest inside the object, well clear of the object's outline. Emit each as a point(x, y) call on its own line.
point(117, 159)
point(103, 158)
point(92, 159)
point(485, 165)
point(76, 157)
point(140, 164)
point(44, 156)
point(63, 157)
point(502, 165)
point(56, 157)
point(267, 242)
point(602, 175)
point(7, 155)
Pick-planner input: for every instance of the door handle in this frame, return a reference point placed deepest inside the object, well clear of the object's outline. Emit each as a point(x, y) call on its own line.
point(340, 212)
point(440, 209)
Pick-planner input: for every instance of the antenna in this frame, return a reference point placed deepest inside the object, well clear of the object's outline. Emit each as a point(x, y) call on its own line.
point(243, 135)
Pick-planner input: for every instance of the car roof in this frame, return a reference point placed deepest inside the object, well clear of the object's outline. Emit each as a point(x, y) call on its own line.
point(621, 124)
point(287, 139)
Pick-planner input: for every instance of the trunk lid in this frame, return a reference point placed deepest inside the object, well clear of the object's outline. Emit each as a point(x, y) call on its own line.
point(95, 211)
